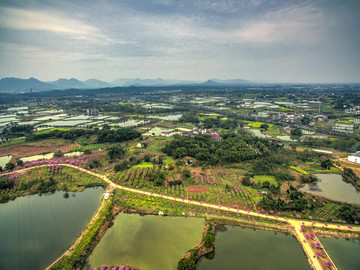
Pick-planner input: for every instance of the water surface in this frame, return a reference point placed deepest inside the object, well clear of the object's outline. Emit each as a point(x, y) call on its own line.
point(245, 249)
point(35, 230)
point(344, 253)
point(331, 186)
point(147, 242)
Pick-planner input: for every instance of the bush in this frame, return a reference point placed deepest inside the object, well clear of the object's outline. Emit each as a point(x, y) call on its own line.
point(94, 164)
point(186, 173)
point(209, 239)
point(116, 152)
point(120, 167)
point(246, 181)
point(19, 162)
point(186, 264)
point(10, 166)
point(58, 154)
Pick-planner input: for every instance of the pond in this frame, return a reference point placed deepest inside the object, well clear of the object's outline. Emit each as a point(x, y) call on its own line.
point(344, 253)
point(38, 157)
point(332, 187)
point(244, 248)
point(4, 160)
point(147, 242)
point(36, 229)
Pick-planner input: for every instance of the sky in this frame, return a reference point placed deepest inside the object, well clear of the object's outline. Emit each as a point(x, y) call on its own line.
point(306, 41)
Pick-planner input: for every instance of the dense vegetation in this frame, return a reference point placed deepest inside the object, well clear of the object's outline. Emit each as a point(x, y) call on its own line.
point(104, 135)
point(297, 202)
point(231, 149)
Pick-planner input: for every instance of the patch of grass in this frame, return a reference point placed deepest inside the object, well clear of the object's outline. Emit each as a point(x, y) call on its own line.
point(254, 194)
point(332, 170)
point(255, 124)
point(263, 178)
point(299, 170)
point(44, 131)
point(143, 165)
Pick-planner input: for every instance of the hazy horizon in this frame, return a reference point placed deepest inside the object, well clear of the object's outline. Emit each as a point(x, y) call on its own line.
point(260, 41)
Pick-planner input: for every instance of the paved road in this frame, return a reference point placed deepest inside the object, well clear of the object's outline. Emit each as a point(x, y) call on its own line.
point(294, 223)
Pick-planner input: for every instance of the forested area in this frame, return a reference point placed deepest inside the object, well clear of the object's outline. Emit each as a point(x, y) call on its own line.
point(104, 135)
point(297, 202)
point(231, 149)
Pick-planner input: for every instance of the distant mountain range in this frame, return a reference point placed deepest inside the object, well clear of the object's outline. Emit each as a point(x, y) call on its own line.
point(16, 85)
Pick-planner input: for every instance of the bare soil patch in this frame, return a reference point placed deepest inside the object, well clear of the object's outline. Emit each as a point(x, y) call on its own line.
point(23, 151)
point(197, 189)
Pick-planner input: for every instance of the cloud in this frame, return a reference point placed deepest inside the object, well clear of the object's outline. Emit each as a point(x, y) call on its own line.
point(49, 21)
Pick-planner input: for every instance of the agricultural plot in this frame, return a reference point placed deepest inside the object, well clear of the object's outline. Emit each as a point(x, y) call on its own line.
point(266, 178)
point(136, 176)
point(87, 147)
point(327, 212)
point(219, 186)
point(299, 170)
point(225, 189)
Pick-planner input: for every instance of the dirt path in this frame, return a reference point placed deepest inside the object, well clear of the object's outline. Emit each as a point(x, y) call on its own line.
point(295, 223)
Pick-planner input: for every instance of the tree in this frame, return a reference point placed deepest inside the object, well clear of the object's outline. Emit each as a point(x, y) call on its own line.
point(305, 120)
point(348, 214)
point(186, 173)
point(116, 152)
point(186, 264)
point(296, 132)
point(87, 152)
point(19, 162)
point(146, 158)
point(246, 181)
point(120, 167)
point(9, 166)
point(93, 164)
point(58, 154)
point(326, 164)
point(209, 239)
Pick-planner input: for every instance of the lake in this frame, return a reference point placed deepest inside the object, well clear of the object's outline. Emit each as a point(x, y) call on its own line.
point(344, 253)
point(147, 242)
point(245, 248)
point(35, 229)
point(331, 186)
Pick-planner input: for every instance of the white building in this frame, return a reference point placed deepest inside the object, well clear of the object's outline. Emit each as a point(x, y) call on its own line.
point(354, 158)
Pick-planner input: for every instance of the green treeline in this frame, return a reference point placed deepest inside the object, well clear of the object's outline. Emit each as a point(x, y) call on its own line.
point(105, 135)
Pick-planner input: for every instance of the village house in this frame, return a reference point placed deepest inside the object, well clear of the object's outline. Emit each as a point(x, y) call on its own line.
point(216, 136)
point(354, 158)
point(166, 134)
